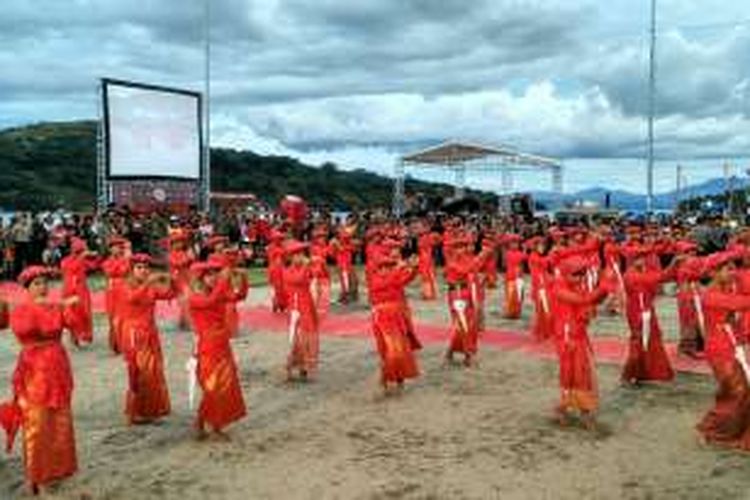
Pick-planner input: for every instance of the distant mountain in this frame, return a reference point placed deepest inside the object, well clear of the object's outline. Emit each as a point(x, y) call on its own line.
point(54, 165)
point(625, 200)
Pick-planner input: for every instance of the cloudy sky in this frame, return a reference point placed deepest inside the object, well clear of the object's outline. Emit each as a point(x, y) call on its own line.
point(360, 82)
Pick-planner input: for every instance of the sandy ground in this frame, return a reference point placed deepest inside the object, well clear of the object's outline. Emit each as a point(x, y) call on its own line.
point(484, 433)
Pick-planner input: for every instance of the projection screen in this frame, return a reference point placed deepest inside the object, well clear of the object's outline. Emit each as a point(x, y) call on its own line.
point(151, 132)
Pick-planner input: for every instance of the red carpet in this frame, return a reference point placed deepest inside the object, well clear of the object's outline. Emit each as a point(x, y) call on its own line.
point(607, 350)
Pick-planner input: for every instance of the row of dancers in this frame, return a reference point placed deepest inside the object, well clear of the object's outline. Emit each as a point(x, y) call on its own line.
point(572, 271)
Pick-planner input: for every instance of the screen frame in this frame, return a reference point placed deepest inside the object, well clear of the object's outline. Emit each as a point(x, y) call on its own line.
point(105, 84)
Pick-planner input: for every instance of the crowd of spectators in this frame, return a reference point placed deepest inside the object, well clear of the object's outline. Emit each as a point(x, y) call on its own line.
point(43, 238)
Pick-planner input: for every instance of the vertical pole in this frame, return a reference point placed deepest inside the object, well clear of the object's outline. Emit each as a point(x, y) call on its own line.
point(651, 110)
point(398, 189)
point(101, 188)
point(557, 179)
point(460, 171)
point(678, 187)
point(205, 188)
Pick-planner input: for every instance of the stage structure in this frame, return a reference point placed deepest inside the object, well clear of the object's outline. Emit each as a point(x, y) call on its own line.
point(150, 147)
point(463, 159)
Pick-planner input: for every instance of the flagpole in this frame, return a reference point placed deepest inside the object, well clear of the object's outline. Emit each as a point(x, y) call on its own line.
point(651, 111)
point(206, 181)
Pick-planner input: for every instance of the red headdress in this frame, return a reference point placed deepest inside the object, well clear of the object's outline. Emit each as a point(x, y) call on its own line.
point(141, 258)
point(573, 265)
point(77, 245)
point(199, 269)
point(33, 272)
point(295, 247)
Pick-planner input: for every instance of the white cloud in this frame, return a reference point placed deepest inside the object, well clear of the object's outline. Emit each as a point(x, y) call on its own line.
point(358, 82)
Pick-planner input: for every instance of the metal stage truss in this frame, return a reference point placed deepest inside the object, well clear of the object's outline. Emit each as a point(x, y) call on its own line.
point(464, 158)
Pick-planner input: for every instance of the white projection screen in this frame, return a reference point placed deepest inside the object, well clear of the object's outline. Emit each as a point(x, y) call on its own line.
point(151, 132)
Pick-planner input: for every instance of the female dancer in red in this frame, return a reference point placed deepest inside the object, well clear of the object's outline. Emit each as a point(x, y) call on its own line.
point(216, 370)
point(460, 264)
point(728, 422)
point(42, 385)
point(514, 259)
point(688, 274)
point(572, 305)
point(320, 250)
point(147, 397)
point(304, 339)
point(180, 259)
point(75, 268)
point(426, 243)
point(116, 267)
point(391, 321)
point(614, 304)
point(647, 359)
point(541, 278)
point(275, 271)
point(345, 246)
point(229, 259)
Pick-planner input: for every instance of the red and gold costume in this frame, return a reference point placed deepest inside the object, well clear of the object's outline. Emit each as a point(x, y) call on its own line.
point(572, 305)
point(180, 259)
point(728, 422)
point(613, 267)
point(116, 268)
point(689, 309)
point(75, 268)
point(275, 272)
point(464, 321)
point(229, 261)
point(514, 259)
point(303, 317)
point(391, 320)
point(320, 250)
point(541, 280)
point(490, 266)
point(147, 396)
point(42, 391)
point(647, 359)
point(222, 402)
point(426, 244)
point(345, 247)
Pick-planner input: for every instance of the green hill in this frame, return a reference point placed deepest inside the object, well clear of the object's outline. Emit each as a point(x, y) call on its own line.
point(54, 164)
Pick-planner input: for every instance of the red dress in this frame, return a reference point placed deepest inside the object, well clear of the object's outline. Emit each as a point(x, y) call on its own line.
point(578, 387)
point(42, 390)
point(463, 310)
point(391, 324)
point(75, 269)
point(116, 269)
point(147, 396)
point(613, 268)
point(728, 422)
point(303, 317)
point(425, 247)
point(344, 252)
point(514, 260)
point(228, 262)
point(179, 269)
point(542, 324)
point(689, 308)
point(647, 359)
point(222, 402)
point(319, 252)
point(275, 255)
point(490, 265)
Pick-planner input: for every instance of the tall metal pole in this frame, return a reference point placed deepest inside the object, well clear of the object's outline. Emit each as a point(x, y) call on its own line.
point(678, 187)
point(206, 181)
point(651, 109)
